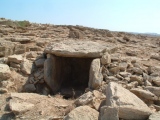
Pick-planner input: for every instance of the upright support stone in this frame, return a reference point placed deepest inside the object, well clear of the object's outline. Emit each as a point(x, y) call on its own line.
point(95, 75)
point(49, 73)
point(109, 113)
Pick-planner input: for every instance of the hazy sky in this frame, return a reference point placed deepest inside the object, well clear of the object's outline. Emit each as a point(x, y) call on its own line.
point(117, 15)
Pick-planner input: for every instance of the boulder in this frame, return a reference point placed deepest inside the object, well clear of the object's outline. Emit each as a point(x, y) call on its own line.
point(95, 75)
point(5, 72)
point(84, 99)
point(130, 106)
point(109, 113)
point(82, 113)
point(15, 58)
point(70, 48)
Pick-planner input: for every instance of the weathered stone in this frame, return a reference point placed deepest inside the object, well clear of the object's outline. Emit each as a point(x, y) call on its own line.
point(156, 56)
point(106, 59)
point(14, 65)
point(20, 49)
point(128, 103)
point(15, 58)
point(56, 106)
point(137, 70)
point(153, 69)
point(40, 62)
point(18, 107)
point(144, 94)
point(21, 40)
point(30, 88)
point(156, 81)
point(136, 78)
point(132, 85)
point(154, 90)
point(5, 72)
point(6, 48)
point(26, 67)
point(70, 48)
point(109, 113)
point(155, 116)
point(114, 70)
point(125, 74)
point(84, 99)
point(31, 55)
point(49, 68)
point(82, 113)
point(3, 90)
point(95, 75)
point(123, 66)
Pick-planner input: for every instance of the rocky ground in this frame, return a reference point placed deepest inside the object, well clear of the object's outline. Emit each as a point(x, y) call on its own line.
point(126, 83)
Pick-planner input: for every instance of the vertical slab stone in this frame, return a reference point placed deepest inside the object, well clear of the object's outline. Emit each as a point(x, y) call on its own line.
point(49, 70)
point(95, 75)
point(109, 113)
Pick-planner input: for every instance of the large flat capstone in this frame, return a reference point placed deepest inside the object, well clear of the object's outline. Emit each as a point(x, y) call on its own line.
point(70, 48)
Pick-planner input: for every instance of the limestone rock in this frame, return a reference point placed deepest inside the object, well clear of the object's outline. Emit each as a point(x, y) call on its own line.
point(84, 99)
point(106, 59)
point(136, 78)
point(156, 56)
point(40, 62)
point(5, 72)
point(144, 94)
point(15, 58)
point(19, 107)
point(109, 113)
point(156, 81)
point(123, 66)
point(95, 75)
point(22, 40)
point(82, 113)
point(26, 67)
point(154, 90)
point(70, 48)
point(128, 103)
point(30, 88)
point(155, 116)
point(20, 49)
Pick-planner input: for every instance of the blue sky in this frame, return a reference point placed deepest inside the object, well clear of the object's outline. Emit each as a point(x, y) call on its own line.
point(116, 15)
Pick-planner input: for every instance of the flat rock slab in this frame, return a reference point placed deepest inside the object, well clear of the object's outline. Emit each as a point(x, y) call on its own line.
point(70, 48)
point(34, 106)
point(82, 113)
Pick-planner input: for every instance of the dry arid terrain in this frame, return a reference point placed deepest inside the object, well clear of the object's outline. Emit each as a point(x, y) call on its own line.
point(56, 72)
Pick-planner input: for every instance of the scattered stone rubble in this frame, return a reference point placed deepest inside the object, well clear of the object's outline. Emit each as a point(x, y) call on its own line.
point(77, 73)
